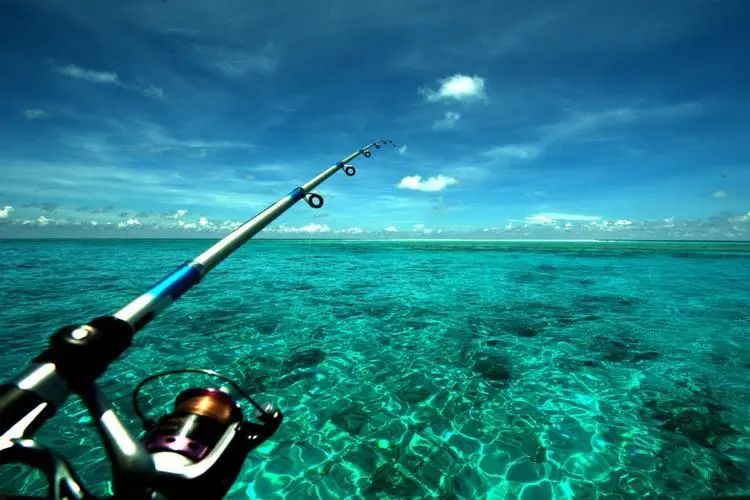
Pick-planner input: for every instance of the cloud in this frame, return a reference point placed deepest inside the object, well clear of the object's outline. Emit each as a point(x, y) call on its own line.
point(110, 78)
point(350, 230)
point(540, 219)
point(741, 218)
point(153, 91)
point(432, 184)
point(6, 211)
point(128, 223)
point(547, 218)
point(448, 121)
point(515, 151)
point(231, 225)
point(309, 228)
point(44, 207)
point(89, 75)
point(457, 87)
point(623, 222)
point(390, 229)
point(402, 149)
point(236, 63)
point(43, 221)
point(579, 123)
point(179, 214)
point(34, 114)
point(719, 194)
point(203, 221)
point(585, 125)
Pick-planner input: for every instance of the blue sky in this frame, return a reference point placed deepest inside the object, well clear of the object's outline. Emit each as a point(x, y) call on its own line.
point(513, 119)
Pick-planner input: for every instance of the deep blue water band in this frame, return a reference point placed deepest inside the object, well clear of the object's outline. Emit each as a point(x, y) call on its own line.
point(178, 282)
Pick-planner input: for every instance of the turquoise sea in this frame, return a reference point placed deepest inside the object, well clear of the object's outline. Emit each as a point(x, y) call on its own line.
point(422, 369)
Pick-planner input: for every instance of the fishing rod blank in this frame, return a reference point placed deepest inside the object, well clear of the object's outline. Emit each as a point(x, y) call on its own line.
point(78, 355)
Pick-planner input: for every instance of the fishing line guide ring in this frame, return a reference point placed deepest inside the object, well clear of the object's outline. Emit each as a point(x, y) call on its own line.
point(366, 153)
point(349, 170)
point(314, 200)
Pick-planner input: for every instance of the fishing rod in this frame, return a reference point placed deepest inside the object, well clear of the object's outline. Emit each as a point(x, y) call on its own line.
point(197, 450)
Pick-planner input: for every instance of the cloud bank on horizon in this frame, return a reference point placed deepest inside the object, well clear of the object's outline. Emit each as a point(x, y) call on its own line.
point(513, 121)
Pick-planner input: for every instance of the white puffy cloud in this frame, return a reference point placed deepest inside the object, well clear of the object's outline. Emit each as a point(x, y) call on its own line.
point(741, 218)
point(540, 219)
point(457, 87)
point(43, 221)
point(6, 211)
point(309, 228)
point(421, 228)
point(719, 194)
point(515, 151)
point(390, 229)
point(231, 224)
point(447, 122)
point(128, 223)
point(179, 214)
point(34, 114)
point(350, 230)
point(203, 221)
point(623, 222)
point(432, 184)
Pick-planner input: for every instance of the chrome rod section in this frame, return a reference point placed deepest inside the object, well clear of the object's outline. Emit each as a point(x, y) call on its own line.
point(147, 306)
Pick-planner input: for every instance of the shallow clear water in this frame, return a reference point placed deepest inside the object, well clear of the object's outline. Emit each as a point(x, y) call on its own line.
point(424, 369)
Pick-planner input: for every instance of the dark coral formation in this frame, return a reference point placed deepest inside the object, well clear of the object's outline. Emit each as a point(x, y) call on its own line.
point(306, 358)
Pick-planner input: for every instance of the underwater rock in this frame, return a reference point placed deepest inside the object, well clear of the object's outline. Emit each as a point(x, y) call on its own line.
point(389, 480)
point(575, 364)
point(413, 394)
point(533, 449)
point(264, 325)
point(612, 303)
point(352, 419)
point(591, 363)
point(295, 376)
point(645, 356)
point(527, 330)
point(706, 429)
point(416, 324)
point(698, 419)
point(614, 350)
point(525, 278)
point(591, 317)
point(491, 342)
point(491, 367)
point(306, 358)
point(564, 321)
